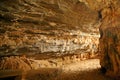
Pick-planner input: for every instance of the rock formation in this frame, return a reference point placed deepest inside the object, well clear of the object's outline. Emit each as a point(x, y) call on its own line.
point(109, 31)
point(15, 63)
point(109, 42)
point(56, 26)
point(59, 27)
point(66, 29)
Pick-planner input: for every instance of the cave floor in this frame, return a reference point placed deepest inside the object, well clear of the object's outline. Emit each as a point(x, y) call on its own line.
point(82, 70)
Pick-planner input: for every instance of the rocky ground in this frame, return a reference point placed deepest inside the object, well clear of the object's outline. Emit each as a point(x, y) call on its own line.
point(83, 70)
point(79, 70)
point(64, 68)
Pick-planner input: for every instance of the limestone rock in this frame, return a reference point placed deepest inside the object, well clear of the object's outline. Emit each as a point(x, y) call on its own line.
point(42, 26)
point(109, 42)
point(14, 63)
point(109, 31)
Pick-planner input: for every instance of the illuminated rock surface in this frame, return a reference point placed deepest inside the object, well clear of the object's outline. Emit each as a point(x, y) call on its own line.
point(38, 28)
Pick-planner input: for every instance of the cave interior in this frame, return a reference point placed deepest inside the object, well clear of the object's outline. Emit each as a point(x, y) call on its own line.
point(59, 40)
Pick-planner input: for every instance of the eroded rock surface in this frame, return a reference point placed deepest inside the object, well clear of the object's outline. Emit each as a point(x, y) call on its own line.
point(109, 44)
point(15, 63)
point(109, 31)
point(62, 27)
point(43, 26)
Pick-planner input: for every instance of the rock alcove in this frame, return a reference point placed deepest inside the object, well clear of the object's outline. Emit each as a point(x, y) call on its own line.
point(36, 34)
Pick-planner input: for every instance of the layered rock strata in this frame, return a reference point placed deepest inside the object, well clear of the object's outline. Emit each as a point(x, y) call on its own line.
point(60, 27)
point(56, 26)
point(15, 63)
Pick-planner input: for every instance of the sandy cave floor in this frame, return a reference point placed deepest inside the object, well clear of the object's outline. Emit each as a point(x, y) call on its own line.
point(83, 70)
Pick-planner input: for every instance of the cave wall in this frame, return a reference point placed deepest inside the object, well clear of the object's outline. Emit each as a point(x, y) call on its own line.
point(47, 26)
point(109, 35)
point(109, 42)
point(62, 27)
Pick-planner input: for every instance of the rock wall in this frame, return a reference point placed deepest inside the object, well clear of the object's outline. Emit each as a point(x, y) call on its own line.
point(47, 26)
point(62, 27)
point(109, 43)
point(15, 63)
point(109, 34)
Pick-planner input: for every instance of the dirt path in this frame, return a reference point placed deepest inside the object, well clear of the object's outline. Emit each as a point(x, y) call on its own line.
point(85, 65)
point(83, 70)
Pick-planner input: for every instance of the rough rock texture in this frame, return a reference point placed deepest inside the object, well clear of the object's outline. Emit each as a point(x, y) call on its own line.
point(44, 26)
point(74, 71)
point(110, 36)
point(14, 63)
point(61, 27)
point(109, 43)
